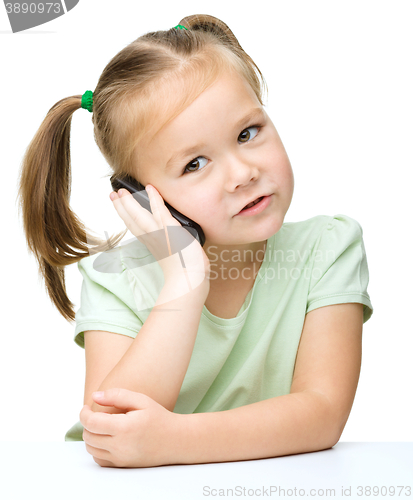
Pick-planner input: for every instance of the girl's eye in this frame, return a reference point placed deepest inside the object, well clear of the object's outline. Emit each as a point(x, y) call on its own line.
point(246, 135)
point(194, 165)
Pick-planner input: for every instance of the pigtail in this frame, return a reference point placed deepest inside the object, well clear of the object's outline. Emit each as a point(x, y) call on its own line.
point(54, 234)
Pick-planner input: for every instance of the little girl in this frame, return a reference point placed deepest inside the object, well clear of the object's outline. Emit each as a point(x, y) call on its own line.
point(246, 346)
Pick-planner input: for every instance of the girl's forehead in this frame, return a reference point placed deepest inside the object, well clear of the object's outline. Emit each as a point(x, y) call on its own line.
point(221, 92)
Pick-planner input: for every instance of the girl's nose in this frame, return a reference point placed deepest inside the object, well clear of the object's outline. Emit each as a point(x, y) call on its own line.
point(240, 173)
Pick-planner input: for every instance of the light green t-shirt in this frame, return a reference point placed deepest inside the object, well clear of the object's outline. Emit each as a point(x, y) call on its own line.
point(235, 362)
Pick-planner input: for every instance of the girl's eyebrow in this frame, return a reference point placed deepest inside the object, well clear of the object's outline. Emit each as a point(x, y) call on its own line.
point(254, 113)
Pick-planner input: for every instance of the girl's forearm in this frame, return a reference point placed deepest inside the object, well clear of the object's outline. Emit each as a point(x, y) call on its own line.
point(299, 422)
point(157, 360)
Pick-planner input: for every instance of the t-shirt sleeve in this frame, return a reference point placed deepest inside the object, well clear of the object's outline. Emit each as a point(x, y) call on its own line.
point(340, 272)
point(104, 303)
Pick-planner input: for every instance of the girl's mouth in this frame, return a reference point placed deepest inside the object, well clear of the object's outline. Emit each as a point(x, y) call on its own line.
point(253, 203)
point(256, 206)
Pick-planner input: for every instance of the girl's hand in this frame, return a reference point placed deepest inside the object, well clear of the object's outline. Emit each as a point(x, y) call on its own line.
point(146, 435)
point(151, 228)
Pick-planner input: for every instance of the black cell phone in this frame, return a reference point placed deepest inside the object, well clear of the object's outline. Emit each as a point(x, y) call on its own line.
point(138, 191)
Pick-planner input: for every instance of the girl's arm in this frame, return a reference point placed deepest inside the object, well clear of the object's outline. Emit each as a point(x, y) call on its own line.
point(156, 362)
point(301, 422)
point(310, 418)
point(152, 436)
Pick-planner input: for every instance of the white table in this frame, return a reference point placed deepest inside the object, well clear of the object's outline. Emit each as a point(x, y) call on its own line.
point(60, 471)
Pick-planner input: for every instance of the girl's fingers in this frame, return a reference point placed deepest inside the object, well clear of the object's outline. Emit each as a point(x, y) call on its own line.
point(97, 441)
point(99, 422)
point(150, 228)
point(137, 219)
point(98, 452)
point(160, 212)
point(154, 199)
point(103, 463)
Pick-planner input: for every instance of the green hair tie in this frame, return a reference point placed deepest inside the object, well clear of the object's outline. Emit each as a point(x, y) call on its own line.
point(180, 27)
point(87, 100)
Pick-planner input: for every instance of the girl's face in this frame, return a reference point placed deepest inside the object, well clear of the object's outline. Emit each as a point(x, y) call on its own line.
point(215, 157)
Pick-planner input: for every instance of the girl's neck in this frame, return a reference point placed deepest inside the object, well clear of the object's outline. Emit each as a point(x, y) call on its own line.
point(225, 258)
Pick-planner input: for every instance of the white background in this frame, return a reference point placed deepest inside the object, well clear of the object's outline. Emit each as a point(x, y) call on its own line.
point(340, 94)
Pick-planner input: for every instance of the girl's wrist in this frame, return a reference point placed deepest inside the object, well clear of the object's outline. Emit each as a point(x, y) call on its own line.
point(182, 285)
point(187, 280)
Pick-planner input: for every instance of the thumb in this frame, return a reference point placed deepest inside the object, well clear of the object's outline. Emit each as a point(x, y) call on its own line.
point(121, 398)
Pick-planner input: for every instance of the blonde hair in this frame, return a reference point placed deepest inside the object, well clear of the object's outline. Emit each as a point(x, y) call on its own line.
point(145, 86)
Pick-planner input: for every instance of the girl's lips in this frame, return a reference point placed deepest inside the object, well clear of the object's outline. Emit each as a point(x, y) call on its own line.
point(256, 209)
